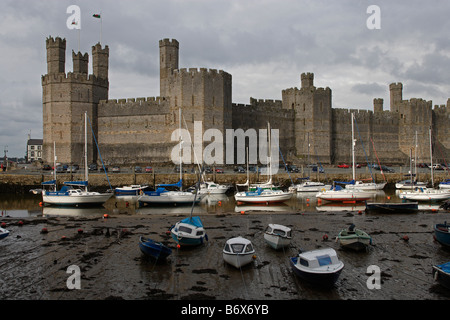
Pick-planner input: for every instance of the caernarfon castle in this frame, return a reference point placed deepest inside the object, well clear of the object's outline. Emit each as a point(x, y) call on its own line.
point(138, 130)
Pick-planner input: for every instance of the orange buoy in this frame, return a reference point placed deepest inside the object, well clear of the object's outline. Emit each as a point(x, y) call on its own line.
point(63, 238)
point(405, 238)
point(20, 223)
point(80, 231)
point(105, 216)
point(389, 197)
point(219, 203)
point(178, 246)
point(3, 225)
point(41, 204)
point(359, 212)
point(307, 199)
point(325, 237)
point(44, 230)
point(242, 212)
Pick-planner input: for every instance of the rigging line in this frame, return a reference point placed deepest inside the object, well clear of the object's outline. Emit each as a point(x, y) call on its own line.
point(365, 154)
point(99, 153)
point(285, 165)
point(376, 155)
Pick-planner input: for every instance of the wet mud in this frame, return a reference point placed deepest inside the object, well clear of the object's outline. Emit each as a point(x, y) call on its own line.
point(34, 264)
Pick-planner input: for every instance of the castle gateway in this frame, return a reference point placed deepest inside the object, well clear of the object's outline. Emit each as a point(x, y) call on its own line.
point(138, 130)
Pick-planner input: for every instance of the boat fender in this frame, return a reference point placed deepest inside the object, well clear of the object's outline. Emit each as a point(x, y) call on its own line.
point(206, 237)
point(436, 275)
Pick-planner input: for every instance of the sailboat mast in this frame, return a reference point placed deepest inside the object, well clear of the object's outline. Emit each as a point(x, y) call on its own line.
point(54, 163)
point(353, 148)
point(85, 150)
point(181, 169)
point(431, 160)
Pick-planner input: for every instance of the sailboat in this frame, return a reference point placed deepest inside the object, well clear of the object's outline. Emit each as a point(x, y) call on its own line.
point(189, 231)
point(427, 194)
point(163, 196)
point(337, 193)
point(362, 185)
point(70, 196)
point(410, 184)
point(266, 192)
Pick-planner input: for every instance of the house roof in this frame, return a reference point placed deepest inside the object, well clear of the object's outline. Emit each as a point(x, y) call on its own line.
point(33, 142)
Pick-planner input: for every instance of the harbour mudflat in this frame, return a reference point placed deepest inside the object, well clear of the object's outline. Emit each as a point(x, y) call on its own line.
point(35, 265)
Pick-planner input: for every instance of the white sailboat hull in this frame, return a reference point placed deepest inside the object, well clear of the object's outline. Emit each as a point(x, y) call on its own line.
point(366, 186)
point(271, 197)
point(345, 195)
point(426, 195)
point(77, 199)
point(172, 197)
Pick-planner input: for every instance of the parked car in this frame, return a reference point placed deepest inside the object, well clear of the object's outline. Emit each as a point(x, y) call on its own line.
point(208, 170)
point(137, 169)
point(291, 168)
point(150, 169)
point(59, 169)
point(343, 165)
point(72, 169)
point(116, 169)
point(240, 170)
point(437, 166)
point(384, 168)
point(46, 167)
point(219, 170)
point(92, 167)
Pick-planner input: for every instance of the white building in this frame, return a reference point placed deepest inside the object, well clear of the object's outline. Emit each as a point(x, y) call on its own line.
point(34, 150)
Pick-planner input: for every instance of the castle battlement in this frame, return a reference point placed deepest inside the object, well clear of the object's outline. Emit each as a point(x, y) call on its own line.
point(55, 42)
point(168, 42)
point(140, 101)
point(88, 79)
point(202, 72)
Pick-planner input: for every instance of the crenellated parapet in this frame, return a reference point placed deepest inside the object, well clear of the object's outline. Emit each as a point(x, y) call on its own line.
point(81, 78)
point(133, 107)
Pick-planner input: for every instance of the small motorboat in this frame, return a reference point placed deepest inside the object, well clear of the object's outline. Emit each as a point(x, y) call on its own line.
point(277, 236)
point(320, 267)
point(421, 194)
point(189, 232)
point(132, 190)
point(441, 274)
point(153, 249)
point(3, 233)
point(238, 252)
point(445, 184)
point(442, 233)
point(353, 238)
point(392, 207)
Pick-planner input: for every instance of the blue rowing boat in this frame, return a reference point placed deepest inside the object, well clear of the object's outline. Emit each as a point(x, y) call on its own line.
point(442, 233)
point(3, 233)
point(441, 274)
point(154, 249)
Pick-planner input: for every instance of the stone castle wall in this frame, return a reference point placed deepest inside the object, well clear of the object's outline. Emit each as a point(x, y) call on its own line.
point(138, 130)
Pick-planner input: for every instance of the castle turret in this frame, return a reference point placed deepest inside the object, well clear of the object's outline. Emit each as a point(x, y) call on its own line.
point(100, 59)
point(377, 105)
point(307, 80)
point(56, 55)
point(396, 95)
point(168, 55)
point(80, 62)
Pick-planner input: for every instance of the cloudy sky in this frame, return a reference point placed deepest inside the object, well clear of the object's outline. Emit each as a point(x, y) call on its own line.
point(264, 44)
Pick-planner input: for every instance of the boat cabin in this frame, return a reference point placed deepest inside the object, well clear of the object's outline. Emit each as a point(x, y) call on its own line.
point(238, 245)
point(318, 258)
point(279, 230)
point(189, 229)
